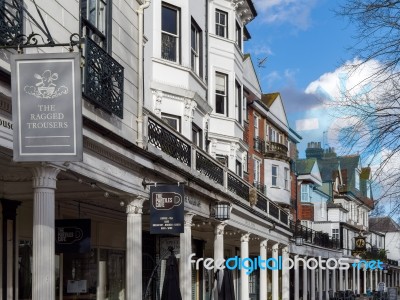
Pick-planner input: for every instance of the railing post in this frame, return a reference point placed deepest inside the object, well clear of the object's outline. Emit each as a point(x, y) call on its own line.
point(193, 150)
point(225, 183)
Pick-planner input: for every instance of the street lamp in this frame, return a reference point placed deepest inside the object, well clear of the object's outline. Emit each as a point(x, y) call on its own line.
point(221, 211)
point(299, 240)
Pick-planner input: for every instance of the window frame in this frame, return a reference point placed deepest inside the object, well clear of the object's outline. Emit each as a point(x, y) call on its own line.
point(286, 178)
point(274, 177)
point(198, 133)
point(218, 25)
point(238, 35)
point(223, 95)
point(101, 36)
point(196, 54)
point(257, 170)
point(238, 101)
point(177, 36)
point(165, 116)
point(307, 193)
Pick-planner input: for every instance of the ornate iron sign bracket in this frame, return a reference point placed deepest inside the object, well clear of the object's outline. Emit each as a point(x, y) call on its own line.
point(11, 29)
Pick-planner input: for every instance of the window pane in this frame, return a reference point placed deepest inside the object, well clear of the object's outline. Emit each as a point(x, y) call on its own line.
point(92, 12)
point(169, 44)
point(219, 104)
point(220, 84)
point(169, 20)
point(194, 46)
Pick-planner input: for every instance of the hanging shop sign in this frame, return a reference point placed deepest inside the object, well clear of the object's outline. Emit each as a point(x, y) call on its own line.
point(47, 109)
point(166, 209)
point(73, 235)
point(360, 243)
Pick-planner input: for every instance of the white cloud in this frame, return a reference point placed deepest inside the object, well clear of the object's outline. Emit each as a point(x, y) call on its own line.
point(307, 124)
point(295, 12)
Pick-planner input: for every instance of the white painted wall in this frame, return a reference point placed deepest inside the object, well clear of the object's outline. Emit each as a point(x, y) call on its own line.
point(276, 193)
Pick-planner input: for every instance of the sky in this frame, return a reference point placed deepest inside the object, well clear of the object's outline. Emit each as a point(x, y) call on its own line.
point(305, 45)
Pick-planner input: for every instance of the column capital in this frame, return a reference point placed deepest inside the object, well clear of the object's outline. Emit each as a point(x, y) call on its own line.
point(264, 243)
point(219, 228)
point(188, 219)
point(245, 238)
point(135, 205)
point(44, 176)
point(275, 247)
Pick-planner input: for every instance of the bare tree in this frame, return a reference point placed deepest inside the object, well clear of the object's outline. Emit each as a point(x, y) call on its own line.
point(372, 116)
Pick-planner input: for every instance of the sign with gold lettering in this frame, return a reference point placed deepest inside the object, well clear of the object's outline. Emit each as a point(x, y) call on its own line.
point(166, 209)
point(47, 111)
point(72, 235)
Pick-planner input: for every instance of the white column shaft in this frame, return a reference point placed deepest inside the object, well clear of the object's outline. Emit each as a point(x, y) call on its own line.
point(341, 287)
point(263, 272)
point(365, 281)
point(327, 283)
point(275, 274)
point(185, 268)
point(312, 292)
point(285, 275)
point(305, 285)
point(296, 281)
point(334, 280)
point(346, 279)
point(43, 253)
point(320, 286)
point(244, 277)
point(358, 281)
point(134, 249)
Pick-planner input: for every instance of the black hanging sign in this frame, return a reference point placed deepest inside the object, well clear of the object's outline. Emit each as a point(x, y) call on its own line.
point(166, 209)
point(73, 235)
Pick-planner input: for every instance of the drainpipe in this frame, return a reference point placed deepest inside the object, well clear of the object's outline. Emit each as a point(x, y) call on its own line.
point(140, 12)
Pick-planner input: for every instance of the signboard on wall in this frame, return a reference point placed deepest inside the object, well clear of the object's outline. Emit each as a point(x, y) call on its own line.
point(47, 109)
point(166, 209)
point(73, 235)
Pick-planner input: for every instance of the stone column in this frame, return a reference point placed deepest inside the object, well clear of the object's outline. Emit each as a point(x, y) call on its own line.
point(365, 280)
point(285, 274)
point(320, 286)
point(327, 283)
point(275, 274)
point(376, 280)
point(380, 276)
point(296, 280)
point(185, 268)
point(346, 279)
point(353, 286)
point(341, 286)
point(305, 285)
point(263, 272)
point(371, 278)
point(219, 242)
point(312, 292)
point(358, 280)
point(244, 277)
point(43, 253)
point(134, 248)
point(334, 278)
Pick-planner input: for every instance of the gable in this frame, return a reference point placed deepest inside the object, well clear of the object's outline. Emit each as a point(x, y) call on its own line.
point(250, 77)
point(316, 173)
point(279, 115)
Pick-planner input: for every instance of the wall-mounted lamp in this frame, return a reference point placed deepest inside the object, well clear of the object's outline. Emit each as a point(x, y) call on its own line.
point(221, 211)
point(299, 240)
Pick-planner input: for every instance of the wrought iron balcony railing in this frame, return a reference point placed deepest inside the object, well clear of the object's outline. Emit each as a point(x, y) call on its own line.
point(178, 147)
point(11, 21)
point(313, 237)
point(104, 79)
point(260, 187)
point(259, 145)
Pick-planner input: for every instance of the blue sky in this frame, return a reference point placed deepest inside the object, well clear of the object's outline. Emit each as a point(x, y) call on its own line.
point(303, 40)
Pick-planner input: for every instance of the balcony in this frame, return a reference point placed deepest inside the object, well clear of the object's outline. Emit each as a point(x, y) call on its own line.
point(316, 238)
point(181, 149)
point(260, 187)
point(11, 22)
point(259, 145)
point(104, 79)
point(276, 151)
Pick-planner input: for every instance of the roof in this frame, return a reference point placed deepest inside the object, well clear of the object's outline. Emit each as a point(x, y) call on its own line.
point(304, 166)
point(383, 224)
point(268, 99)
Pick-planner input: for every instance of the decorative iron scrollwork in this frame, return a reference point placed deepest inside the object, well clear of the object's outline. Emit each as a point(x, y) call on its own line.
point(238, 187)
point(11, 21)
point(207, 167)
point(169, 143)
point(104, 79)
